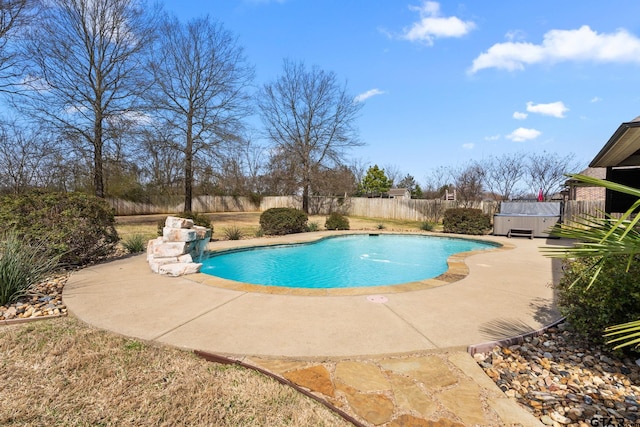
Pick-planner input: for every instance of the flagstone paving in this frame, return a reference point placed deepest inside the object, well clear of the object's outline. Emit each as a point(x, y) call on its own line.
point(427, 389)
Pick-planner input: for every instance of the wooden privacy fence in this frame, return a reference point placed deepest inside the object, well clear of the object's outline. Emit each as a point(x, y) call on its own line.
point(401, 209)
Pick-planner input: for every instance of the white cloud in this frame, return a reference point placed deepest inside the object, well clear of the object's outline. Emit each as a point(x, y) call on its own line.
point(579, 45)
point(520, 116)
point(555, 109)
point(492, 138)
point(432, 25)
point(368, 94)
point(595, 99)
point(468, 146)
point(523, 134)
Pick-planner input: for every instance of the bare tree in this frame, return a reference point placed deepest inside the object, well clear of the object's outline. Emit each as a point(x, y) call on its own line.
point(310, 119)
point(85, 69)
point(438, 181)
point(393, 173)
point(163, 170)
point(546, 171)
point(281, 177)
point(504, 174)
point(201, 76)
point(468, 183)
point(14, 15)
point(338, 181)
point(26, 157)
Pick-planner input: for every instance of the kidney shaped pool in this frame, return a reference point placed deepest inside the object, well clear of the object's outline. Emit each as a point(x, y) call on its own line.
point(342, 262)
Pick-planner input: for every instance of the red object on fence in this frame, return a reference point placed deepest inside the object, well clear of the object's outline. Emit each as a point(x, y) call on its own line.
point(540, 196)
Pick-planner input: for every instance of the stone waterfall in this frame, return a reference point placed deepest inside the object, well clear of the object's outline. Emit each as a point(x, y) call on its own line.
point(179, 249)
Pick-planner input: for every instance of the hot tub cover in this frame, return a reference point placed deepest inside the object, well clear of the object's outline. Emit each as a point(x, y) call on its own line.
point(530, 208)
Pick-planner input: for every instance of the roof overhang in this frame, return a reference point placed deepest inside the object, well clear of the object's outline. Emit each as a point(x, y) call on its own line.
point(622, 149)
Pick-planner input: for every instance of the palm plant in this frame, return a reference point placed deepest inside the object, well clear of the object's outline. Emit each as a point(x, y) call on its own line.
point(603, 238)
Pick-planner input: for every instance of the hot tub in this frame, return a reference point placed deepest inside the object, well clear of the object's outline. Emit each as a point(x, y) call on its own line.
point(528, 219)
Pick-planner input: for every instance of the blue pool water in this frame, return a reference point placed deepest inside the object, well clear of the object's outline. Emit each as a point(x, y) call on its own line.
point(341, 262)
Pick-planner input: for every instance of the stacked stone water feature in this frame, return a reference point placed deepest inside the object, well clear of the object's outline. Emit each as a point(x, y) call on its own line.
point(179, 249)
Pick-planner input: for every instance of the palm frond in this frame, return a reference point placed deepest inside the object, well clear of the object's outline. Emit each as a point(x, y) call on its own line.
point(602, 238)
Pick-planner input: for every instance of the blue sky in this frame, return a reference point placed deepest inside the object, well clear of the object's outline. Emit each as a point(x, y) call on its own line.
point(448, 82)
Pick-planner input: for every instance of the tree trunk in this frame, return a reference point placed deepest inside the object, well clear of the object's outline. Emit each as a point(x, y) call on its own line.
point(98, 181)
point(305, 198)
point(188, 167)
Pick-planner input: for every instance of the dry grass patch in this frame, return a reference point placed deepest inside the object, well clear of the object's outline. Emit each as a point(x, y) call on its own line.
point(61, 372)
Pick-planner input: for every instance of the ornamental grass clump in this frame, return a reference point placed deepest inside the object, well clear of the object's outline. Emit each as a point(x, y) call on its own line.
point(22, 266)
point(135, 243)
point(233, 233)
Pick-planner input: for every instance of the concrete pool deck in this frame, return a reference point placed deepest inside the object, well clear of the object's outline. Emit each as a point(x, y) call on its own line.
point(507, 292)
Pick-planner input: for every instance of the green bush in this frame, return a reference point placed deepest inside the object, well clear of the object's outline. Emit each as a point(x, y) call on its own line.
point(233, 233)
point(612, 299)
point(337, 221)
point(199, 219)
point(135, 243)
point(427, 226)
point(279, 221)
point(466, 221)
point(22, 265)
point(77, 227)
point(313, 226)
point(380, 226)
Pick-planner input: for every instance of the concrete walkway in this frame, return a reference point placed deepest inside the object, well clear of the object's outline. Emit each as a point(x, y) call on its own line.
point(389, 336)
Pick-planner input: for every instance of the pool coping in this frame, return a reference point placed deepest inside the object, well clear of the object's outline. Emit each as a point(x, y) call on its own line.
point(457, 269)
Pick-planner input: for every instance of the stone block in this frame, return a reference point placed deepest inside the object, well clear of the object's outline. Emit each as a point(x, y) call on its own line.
point(156, 262)
point(179, 269)
point(186, 258)
point(169, 249)
point(150, 245)
point(177, 222)
point(202, 232)
point(178, 234)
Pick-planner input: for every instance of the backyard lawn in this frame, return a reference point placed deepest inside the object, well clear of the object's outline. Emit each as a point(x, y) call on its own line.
point(63, 372)
point(249, 223)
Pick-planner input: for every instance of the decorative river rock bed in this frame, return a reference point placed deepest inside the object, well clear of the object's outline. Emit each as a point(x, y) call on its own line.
point(181, 243)
point(563, 381)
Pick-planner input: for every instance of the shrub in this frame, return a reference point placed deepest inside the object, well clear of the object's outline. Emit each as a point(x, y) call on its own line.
point(255, 199)
point(233, 233)
point(337, 221)
point(22, 265)
point(613, 298)
point(259, 232)
point(466, 221)
point(427, 226)
point(380, 226)
point(313, 226)
point(279, 221)
point(77, 227)
point(198, 219)
point(135, 243)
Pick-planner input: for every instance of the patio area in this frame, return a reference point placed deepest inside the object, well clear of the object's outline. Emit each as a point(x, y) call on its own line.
point(378, 356)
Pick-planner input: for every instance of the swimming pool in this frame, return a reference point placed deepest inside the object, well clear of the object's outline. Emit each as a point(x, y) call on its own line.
point(342, 262)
